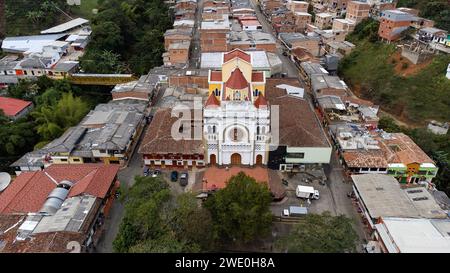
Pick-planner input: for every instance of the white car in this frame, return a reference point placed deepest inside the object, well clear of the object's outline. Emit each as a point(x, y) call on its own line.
point(285, 212)
point(316, 194)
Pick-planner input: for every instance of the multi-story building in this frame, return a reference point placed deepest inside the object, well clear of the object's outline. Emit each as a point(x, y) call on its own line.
point(236, 114)
point(323, 20)
point(213, 35)
point(298, 40)
point(176, 36)
point(297, 6)
point(177, 54)
point(161, 149)
point(357, 11)
point(396, 154)
point(393, 23)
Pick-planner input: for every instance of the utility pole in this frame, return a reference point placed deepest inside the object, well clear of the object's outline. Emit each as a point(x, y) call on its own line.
point(2, 19)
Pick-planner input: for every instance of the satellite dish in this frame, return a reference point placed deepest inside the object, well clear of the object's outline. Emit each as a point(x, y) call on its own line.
point(5, 179)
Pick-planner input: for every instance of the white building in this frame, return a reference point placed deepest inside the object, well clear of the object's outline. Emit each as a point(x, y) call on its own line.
point(236, 114)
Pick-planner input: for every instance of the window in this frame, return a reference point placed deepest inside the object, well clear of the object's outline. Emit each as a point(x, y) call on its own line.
point(214, 129)
point(63, 159)
point(76, 160)
point(382, 169)
point(373, 169)
point(364, 169)
point(235, 134)
point(297, 155)
point(102, 151)
point(237, 95)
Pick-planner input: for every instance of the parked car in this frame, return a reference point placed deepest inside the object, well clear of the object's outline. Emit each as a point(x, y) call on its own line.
point(184, 179)
point(147, 171)
point(156, 173)
point(174, 176)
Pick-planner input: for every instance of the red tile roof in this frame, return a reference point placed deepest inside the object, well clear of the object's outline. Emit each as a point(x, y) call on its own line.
point(159, 139)
point(11, 107)
point(236, 80)
point(258, 77)
point(212, 101)
point(217, 178)
point(216, 76)
point(250, 23)
point(29, 190)
point(236, 53)
point(261, 101)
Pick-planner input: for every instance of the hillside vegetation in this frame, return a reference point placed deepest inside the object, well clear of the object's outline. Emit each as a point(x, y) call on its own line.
point(416, 98)
point(128, 36)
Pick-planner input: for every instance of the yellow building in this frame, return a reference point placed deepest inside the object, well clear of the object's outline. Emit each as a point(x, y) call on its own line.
point(237, 80)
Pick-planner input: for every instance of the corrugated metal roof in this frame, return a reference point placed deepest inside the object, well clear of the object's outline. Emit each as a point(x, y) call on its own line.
point(66, 26)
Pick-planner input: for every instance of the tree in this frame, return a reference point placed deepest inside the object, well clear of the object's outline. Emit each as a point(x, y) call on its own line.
point(388, 124)
point(106, 36)
point(52, 120)
point(241, 211)
point(156, 221)
point(321, 233)
point(105, 62)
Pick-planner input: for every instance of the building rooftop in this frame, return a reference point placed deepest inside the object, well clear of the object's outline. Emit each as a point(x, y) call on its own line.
point(299, 125)
point(159, 140)
point(250, 37)
point(30, 190)
point(382, 196)
point(66, 26)
point(214, 60)
point(400, 148)
point(223, 23)
point(28, 44)
point(180, 45)
point(397, 15)
point(291, 37)
point(403, 235)
point(313, 69)
point(324, 81)
point(11, 107)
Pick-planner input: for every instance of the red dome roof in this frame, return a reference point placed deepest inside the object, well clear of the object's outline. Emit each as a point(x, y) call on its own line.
point(236, 80)
point(212, 101)
point(261, 101)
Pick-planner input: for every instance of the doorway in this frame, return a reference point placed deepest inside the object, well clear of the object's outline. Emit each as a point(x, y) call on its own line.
point(236, 159)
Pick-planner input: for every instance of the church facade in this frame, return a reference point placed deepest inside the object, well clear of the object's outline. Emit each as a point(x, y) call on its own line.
point(236, 115)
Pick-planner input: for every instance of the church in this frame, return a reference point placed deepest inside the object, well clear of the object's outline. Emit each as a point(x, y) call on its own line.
point(236, 114)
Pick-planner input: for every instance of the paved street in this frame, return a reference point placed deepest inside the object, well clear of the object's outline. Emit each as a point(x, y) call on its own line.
point(194, 60)
point(126, 177)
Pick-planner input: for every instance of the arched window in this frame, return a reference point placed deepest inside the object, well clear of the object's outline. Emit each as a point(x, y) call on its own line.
point(214, 129)
point(217, 92)
point(235, 134)
point(256, 93)
point(181, 129)
point(257, 130)
point(237, 95)
point(263, 130)
point(210, 130)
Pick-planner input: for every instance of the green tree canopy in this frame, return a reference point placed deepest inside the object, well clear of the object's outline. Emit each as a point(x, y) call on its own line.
point(241, 211)
point(156, 221)
point(320, 233)
point(53, 119)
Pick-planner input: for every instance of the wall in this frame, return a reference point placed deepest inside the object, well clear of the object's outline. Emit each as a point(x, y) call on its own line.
point(313, 155)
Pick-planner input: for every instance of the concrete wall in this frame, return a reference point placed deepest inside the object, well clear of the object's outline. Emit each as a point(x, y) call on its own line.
point(313, 155)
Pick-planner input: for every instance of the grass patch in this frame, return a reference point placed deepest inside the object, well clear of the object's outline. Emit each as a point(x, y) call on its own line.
point(85, 9)
point(416, 98)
